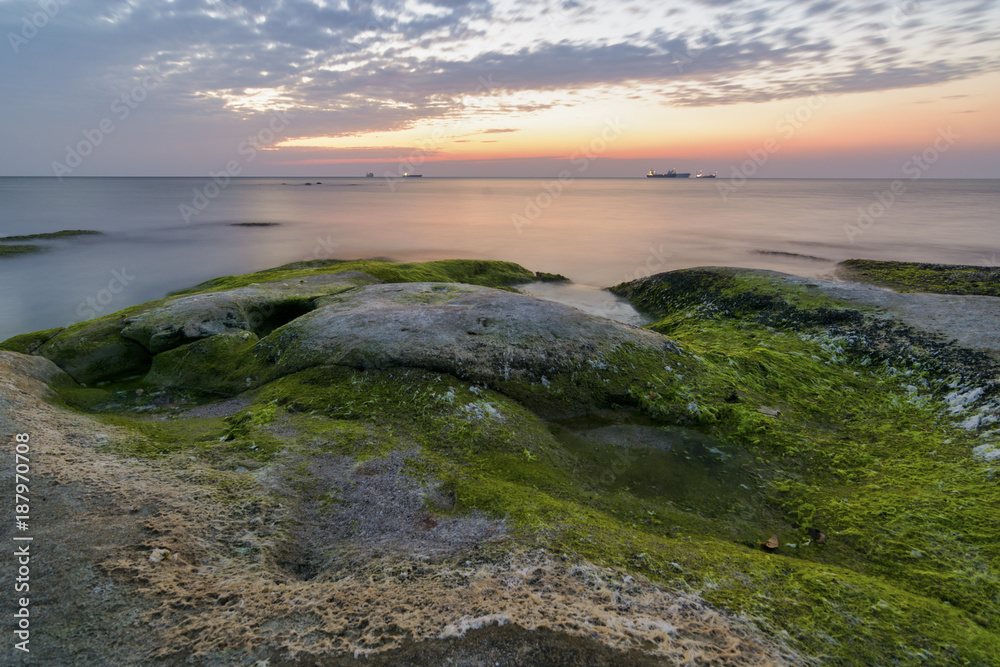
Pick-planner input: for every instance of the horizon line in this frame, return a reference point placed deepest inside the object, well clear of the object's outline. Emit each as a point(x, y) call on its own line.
point(556, 176)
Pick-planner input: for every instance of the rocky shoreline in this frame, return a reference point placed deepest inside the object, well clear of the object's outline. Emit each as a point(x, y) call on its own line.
point(376, 463)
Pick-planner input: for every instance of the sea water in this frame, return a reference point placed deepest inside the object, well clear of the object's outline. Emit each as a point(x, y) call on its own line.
point(163, 234)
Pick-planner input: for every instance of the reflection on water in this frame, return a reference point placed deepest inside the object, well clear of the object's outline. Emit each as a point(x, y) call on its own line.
point(598, 232)
point(589, 299)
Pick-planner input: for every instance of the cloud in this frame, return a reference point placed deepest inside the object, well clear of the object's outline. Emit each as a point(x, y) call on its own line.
point(390, 64)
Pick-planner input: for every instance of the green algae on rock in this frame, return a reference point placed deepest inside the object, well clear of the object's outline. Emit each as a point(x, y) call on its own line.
point(865, 449)
point(219, 363)
point(102, 348)
point(436, 457)
point(21, 249)
point(52, 235)
point(30, 342)
point(553, 356)
point(923, 277)
point(95, 350)
point(544, 277)
point(472, 272)
point(256, 309)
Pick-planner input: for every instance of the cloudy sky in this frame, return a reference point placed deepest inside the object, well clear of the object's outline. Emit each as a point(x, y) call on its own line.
point(497, 87)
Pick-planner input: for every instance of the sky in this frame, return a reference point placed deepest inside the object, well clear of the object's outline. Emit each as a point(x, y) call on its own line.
point(747, 88)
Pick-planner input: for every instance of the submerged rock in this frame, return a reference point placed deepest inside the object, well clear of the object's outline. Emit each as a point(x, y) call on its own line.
point(53, 235)
point(18, 249)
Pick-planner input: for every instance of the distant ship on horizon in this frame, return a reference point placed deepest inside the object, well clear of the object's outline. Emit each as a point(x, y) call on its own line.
point(370, 174)
point(704, 175)
point(670, 174)
point(413, 175)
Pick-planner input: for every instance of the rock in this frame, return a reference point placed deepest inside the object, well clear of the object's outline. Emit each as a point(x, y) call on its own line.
point(544, 277)
point(519, 344)
point(29, 343)
point(392, 467)
point(37, 369)
point(195, 317)
point(157, 555)
point(258, 309)
point(93, 351)
point(554, 356)
point(212, 364)
point(124, 343)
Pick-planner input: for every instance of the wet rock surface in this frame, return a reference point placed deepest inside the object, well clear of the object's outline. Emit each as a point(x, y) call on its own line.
point(969, 321)
point(957, 335)
point(331, 469)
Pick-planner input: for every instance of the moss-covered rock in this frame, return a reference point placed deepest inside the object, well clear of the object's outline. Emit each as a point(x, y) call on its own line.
point(124, 342)
point(537, 351)
point(93, 351)
point(258, 310)
point(52, 235)
point(924, 277)
point(30, 342)
point(18, 249)
point(544, 277)
point(767, 297)
point(472, 272)
point(861, 412)
point(420, 436)
point(220, 363)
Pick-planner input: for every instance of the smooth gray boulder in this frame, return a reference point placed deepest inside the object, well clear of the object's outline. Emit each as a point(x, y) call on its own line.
point(495, 337)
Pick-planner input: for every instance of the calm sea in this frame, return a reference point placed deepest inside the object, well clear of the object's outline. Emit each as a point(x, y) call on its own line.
point(598, 232)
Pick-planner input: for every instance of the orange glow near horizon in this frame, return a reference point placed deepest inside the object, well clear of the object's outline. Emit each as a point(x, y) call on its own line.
point(631, 128)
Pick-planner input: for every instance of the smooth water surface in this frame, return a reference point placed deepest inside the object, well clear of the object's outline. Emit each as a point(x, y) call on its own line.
point(598, 232)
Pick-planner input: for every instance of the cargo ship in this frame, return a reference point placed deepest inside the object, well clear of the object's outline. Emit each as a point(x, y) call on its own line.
point(704, 175)
point(670, 174)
